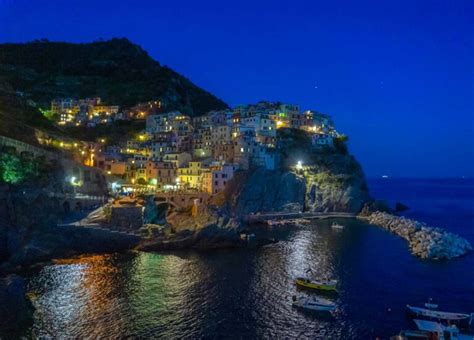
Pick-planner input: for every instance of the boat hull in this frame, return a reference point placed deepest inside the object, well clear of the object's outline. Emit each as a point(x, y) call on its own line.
point(461, 320)
point(315, 286)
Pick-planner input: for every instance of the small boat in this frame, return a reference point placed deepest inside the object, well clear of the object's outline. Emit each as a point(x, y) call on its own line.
point(314, 304)
point(411, 335)
point(329, 285)
point(431, 330)
point(337, 226)
point(275, 223)
point(301, 221)
point(438, 315)
point(441, 332)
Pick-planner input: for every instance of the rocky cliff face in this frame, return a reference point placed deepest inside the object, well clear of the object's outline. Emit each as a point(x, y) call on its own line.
point(334, 183)
point(262, 190)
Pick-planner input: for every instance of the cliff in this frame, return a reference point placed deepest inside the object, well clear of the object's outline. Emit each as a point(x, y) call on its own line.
point(335, 182)
point(329, 180)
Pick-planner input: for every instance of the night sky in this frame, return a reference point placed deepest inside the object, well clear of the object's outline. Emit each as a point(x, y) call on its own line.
point(397, 76)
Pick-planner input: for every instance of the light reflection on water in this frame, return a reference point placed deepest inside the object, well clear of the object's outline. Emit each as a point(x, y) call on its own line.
point(244, 293)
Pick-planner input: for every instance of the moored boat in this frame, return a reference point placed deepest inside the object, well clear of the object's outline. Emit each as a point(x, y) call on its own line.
point(328, 285)
point(276, 223)
point(314, 304)
point(463, 320)
point(432, 330)
point(337, 226)
point(441, 332)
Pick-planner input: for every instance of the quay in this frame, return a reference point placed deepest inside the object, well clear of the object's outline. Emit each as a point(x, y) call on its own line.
point(256, 218)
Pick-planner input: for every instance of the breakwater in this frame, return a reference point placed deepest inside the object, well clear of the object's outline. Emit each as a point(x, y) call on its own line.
point(424, 241)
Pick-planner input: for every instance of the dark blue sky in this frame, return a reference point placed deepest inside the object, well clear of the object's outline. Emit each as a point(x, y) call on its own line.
point(397, 76)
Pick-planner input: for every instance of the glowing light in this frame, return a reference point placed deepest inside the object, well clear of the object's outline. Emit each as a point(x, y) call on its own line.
point(299, 165)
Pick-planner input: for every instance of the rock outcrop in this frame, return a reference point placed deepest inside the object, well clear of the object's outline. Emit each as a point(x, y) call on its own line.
point(262, 190)
point(425, 242)
point(220, 232)
point(335, 183)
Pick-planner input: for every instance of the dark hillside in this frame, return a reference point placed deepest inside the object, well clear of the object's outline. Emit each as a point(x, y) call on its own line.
point(117, 70)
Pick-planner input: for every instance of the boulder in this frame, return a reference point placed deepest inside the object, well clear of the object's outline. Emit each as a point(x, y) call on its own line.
point(425, 242)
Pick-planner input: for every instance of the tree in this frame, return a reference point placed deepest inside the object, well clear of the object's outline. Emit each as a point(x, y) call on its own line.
point(11, 169)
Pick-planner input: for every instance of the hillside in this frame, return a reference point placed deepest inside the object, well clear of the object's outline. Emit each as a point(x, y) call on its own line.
point(117, 70)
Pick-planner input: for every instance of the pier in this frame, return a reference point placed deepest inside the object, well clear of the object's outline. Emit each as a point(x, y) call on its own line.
point(256, 218)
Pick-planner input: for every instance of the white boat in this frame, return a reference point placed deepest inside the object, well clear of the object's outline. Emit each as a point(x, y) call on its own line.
point(337, 226)
point(438, 315)
point(275, 223)
point(438, 331)
point(314, 304)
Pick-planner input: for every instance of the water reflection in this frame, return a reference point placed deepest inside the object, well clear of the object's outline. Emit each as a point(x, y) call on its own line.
point(243, 293)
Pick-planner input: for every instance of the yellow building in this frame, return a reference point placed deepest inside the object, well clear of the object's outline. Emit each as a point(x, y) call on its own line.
point(191, 176)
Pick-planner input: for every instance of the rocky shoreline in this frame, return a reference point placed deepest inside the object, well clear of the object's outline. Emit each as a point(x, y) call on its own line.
point(424, 241)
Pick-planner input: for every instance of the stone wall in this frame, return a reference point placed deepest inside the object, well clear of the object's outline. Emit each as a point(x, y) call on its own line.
point(126, 218)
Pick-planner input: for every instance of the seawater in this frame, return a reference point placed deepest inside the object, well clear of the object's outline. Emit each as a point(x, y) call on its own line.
point(246, 293)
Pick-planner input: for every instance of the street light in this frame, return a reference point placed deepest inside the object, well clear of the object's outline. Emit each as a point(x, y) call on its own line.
point(299, 165)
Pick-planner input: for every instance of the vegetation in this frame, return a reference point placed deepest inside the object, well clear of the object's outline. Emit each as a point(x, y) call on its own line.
point(19, 118)
point(117, 71)
point(117, 131)
point(17, 169)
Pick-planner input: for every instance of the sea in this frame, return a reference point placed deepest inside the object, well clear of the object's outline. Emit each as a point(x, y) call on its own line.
point(247, 293)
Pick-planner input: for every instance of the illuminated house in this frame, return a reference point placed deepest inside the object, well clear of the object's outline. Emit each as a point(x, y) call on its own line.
point(224, 152)
point(215, 178)
point(249, 154)
point(221, 134)
point(202, 142)
point(179, 159)
point(191, 176)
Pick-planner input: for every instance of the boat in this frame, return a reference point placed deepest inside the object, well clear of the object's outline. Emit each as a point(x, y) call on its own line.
point(337, 226)
point(432, 330)
point(276, 223)
point(430, 313)
point(329, 285)
point(314, 304)
point(411, 335)
point(441, 332)
point(301, 221)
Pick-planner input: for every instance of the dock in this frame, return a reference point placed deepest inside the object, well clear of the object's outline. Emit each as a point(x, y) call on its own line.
point(256, 218)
